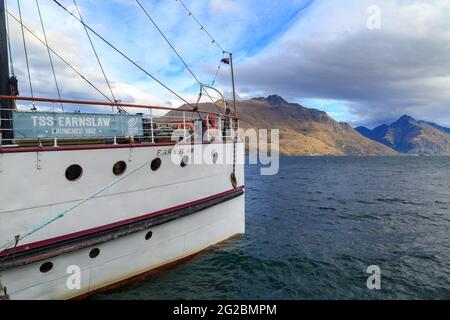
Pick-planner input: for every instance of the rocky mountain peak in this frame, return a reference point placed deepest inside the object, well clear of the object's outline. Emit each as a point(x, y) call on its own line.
point(302, 131)
point(406, 135)
point(275, 99)
point(404, 119)
point(272, 99)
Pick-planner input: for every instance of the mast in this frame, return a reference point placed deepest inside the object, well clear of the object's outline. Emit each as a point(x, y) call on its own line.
point(7, 83)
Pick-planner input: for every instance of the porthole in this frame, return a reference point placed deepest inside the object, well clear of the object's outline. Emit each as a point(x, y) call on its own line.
point(149, 235)
point(156, 164)
point(215, 157)
point(184, 161)
point(94, 253)
point(46, 267)
point(74, 172)
point(119, 168)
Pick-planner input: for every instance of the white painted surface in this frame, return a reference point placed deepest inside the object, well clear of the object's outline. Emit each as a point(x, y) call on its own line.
point(31, 195)
point(129, 256)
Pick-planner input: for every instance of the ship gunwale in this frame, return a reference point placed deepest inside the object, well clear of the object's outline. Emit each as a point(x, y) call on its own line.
point(38, 251)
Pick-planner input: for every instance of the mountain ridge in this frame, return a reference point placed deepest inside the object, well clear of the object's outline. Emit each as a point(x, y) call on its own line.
point(410, 136)
point(303, 131)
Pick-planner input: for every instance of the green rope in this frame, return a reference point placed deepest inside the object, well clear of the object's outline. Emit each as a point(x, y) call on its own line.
point(62, 213)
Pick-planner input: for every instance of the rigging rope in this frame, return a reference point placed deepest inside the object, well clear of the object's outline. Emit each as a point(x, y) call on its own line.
point(98, 59)
point(26, 53)
point(201, 26)
point(49, 54)
point(124, 55)
point(167, 40)
point(213, 41)
point(218, 70)
point(62, 213)
point(176, 52)
point(61, 58)
point(212, 100)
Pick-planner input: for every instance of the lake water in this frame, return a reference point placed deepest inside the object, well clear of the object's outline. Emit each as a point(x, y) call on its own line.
point(313, 230)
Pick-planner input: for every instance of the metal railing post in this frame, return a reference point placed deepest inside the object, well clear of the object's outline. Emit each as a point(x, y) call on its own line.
point(219, 130)
point(208, 137)
point(158, 130)
point(184, 126)
point(151, 126)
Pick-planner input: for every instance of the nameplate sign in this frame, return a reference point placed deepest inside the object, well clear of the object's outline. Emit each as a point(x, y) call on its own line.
point(29, 125)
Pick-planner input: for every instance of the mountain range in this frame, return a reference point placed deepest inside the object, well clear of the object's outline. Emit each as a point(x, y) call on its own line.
point(410, 136)
point(311, 132)
point(303, 131)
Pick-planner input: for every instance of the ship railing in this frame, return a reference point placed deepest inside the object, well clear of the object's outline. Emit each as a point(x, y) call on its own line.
point(169, 126)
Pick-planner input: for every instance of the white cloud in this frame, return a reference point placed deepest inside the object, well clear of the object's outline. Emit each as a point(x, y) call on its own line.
point(132, 33)
point(379, 74)
point(227, 6)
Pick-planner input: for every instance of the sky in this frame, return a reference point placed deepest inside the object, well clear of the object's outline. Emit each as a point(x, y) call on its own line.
point(366, 62)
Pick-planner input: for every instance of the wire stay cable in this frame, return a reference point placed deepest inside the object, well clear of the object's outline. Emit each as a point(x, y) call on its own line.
point(49, 53)
point(213, 40)
point(26, 52)
point(125, 56)
point(61, 58)
point(218, 70)
point(167, 40)
point(212, 100)
point(98, 59)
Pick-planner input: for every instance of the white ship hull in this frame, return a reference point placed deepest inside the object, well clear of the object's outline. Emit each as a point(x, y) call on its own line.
point(186, 209)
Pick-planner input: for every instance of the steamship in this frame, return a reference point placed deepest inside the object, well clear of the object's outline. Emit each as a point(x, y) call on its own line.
point(92, 199)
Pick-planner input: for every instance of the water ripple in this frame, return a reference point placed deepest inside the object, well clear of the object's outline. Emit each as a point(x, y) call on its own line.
point(313, 231)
